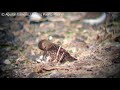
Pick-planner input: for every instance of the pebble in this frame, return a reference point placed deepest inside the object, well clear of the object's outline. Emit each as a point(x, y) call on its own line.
point(32, 75)
point(50, 37)
point(56, 74)
point(7, 62)
point(39, 59)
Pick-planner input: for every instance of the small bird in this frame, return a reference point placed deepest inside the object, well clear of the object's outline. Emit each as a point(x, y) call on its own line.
point(35, 17)
point(57, 53)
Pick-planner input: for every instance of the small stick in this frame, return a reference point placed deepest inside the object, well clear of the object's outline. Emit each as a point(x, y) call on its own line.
point(57, 53)
point(54, 68)
point(61, 57)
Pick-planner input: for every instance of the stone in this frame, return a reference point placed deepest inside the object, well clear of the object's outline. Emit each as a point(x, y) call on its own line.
point(7, 61)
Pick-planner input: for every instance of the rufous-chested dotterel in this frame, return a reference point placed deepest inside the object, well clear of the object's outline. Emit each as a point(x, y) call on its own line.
point(56, 52)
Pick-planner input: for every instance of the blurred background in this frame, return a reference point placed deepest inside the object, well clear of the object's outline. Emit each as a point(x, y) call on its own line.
point(91, 37)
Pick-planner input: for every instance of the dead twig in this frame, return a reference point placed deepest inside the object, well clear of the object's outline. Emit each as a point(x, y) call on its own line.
point(61, 57)
point(56, 68)
point(57, 54)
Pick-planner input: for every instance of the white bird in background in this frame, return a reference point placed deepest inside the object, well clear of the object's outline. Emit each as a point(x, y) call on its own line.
point(35, 17)
point(96, 21)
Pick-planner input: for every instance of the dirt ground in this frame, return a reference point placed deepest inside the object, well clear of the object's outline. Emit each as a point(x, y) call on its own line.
point(97, 48)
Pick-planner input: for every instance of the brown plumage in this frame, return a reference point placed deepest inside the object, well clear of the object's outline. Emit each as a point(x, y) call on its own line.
point(54, 51)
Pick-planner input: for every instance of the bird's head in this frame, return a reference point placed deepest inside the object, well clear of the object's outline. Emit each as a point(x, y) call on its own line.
point(45, 45)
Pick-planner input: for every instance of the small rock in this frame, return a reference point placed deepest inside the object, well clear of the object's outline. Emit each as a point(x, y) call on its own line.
point(39, 59)
point(50, 38)
point(32, 75)
point(56, 74)
point(7, 61)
